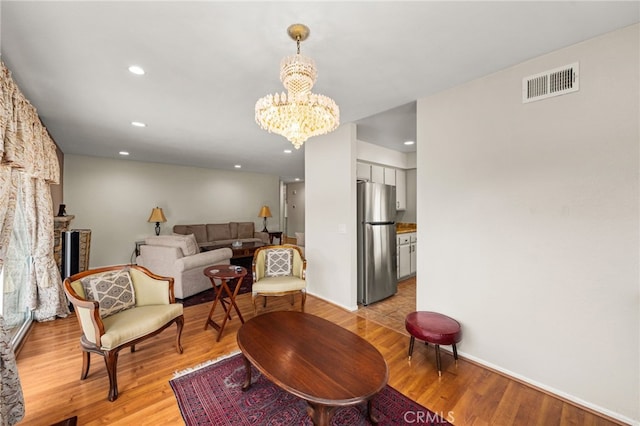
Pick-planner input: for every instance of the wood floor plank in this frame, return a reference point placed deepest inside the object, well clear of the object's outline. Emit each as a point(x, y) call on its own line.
point(50, 362)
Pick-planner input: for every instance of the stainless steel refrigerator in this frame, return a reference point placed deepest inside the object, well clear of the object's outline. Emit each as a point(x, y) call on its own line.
point(377, 273)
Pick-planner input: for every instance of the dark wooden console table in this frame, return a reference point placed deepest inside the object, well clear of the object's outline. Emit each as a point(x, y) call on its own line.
point(275, 234)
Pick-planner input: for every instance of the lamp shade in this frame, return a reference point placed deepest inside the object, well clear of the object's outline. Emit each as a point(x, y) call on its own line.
point(264, 212)
point(157, 215)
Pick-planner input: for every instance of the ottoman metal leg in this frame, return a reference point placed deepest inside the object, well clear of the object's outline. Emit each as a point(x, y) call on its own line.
point(455, 352)
point(411, 342)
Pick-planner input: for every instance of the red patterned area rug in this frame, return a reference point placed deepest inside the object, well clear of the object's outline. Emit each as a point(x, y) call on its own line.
point(212, 395)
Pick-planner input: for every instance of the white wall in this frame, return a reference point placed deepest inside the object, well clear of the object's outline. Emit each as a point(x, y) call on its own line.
point(114, 198)
point(528, 223)
point(330, 216)
point(295, 208)
point(380, 155)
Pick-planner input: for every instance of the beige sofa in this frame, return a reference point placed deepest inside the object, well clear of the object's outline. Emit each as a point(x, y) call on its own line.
point(179, 256)
point(223, 233)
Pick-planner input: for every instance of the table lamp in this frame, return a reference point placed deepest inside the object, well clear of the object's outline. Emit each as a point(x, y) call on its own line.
point(264, 214)
point(157, 216)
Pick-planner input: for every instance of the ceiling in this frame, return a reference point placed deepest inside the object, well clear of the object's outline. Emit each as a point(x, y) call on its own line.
point(207, 62)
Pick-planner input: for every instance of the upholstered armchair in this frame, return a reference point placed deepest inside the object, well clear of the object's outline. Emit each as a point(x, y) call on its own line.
point(118, 307)
point(278, 271)
point(179, 256)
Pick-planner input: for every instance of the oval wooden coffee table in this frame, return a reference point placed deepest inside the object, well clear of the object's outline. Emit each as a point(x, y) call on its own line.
point(314, 359)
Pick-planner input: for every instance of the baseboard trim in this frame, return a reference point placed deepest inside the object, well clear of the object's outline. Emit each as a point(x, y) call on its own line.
point(331, 302)
point(565, 397)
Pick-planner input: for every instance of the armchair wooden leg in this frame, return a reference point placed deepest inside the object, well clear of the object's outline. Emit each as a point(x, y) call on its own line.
point(180, 325)
point(304, 299)
point(253, 300)
point(264, 304)
point(86, 362)
point(111, 360)
point(133, 348)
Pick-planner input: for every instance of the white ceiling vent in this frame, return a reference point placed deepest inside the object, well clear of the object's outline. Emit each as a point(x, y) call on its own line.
point(555, 82)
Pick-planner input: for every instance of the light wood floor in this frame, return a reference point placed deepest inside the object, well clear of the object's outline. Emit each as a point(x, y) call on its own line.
point(50, 362)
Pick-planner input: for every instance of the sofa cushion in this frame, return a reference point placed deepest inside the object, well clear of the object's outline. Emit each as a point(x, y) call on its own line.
point(278, 262)
point(113, 290)
point(233, 228)
point(199, 231)
point(246, 229)
point(218, 231)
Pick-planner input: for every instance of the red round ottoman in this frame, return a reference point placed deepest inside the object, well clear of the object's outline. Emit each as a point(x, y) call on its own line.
point(434, 328)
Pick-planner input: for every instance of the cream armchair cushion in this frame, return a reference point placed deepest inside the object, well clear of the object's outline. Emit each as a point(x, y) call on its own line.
point(264, 285)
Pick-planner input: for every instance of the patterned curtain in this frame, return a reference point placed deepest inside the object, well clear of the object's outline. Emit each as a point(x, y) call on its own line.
point(12, 406)
point(28, 163)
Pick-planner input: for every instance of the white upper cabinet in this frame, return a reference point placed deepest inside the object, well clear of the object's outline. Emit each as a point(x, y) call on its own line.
point(363, 171)
point(389, 176)
point(401, 189)
point(377, 174)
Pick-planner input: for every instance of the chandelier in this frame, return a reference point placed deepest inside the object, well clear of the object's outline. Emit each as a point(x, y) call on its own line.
point(298, 114)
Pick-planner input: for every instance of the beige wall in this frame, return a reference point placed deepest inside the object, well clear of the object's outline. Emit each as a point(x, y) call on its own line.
point(528, 223)
point(114, 198)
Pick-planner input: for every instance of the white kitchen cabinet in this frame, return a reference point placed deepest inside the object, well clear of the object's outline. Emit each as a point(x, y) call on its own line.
point(390, 176)
point(377, 174)
point(406, 254)
point(401, 189)
point(363, 171)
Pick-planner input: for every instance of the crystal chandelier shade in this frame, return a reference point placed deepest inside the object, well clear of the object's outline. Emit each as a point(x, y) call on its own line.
point(298, 114)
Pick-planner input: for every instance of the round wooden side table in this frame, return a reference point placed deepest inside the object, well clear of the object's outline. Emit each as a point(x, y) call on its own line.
point(226, 274)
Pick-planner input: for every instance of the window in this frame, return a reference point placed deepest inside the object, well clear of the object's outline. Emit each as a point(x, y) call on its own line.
point(15, 276)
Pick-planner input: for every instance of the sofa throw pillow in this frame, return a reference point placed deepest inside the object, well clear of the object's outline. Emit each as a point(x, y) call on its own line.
point(300, 239)
point(191, 245)
point(113, 290)
point(278, 262)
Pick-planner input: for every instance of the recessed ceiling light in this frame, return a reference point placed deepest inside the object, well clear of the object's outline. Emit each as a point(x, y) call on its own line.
point(138, 124)
point(297, 179)
point(409, 142)
point(137, 70)
point(123, 153)
point(287, 151)
point(237, 166)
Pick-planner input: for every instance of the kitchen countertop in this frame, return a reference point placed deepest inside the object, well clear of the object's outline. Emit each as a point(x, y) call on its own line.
point(403, 228)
